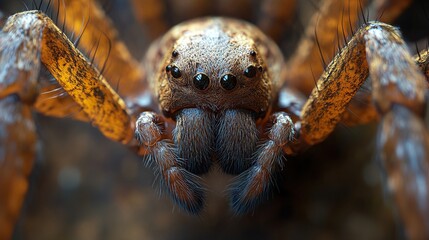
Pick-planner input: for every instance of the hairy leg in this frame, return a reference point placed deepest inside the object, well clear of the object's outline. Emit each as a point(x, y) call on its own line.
point(331, 24)
point(151, 14)
point(17, 150)
point(183, 186)
point(98, 37)
point(422, 60)
point(275, 16)
point(398, 91)
point(28, 40)
point(252, 186)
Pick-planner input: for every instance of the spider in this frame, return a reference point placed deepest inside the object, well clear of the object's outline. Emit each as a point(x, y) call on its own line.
point(217, 90)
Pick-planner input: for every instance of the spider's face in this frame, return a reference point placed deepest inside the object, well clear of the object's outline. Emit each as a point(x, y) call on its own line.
point(214, 66)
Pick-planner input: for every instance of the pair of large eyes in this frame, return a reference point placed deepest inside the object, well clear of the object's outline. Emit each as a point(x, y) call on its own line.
point(201, 81)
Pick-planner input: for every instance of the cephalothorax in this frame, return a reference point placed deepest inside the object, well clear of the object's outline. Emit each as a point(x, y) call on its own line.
point(216, 78)
point(220, 93)
point(216, 64)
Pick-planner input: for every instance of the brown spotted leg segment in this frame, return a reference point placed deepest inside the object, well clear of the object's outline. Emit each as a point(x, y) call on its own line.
point(76, 75)
point(19, 68)
point(403, 142)
point(54, 101)
point(361, 109)
point(98, 37)
point(183, 186)
point(334, 90)
point(23, 72)
point(17, 151)
point(322, 38)
point(85, 84)
point(403, 150)
point(422, 60)
point(252, 186)
point(399, 95)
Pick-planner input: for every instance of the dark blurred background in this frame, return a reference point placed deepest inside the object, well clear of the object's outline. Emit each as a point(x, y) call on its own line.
point(87, 187)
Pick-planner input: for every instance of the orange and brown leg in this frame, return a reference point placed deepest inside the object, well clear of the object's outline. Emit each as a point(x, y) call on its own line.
point(177, 174)
point(17, 151)
point(333, 22)
point(398, 90)
point(98, 37)
point(95, 34)
point(275, 16)
point(151, 15)
point(18, 89)
point(422, 60)
point(28, 40)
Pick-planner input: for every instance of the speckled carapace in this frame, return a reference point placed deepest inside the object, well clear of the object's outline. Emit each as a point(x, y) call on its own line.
point(215, 47)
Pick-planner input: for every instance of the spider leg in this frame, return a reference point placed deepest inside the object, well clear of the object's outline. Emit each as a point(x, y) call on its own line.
point(18, 90)
point(98, 37)
point(398, 91)
point(252, 186)
point(403, 139)
point(422, 60)
point(331, 24)
point(27, 40)
point(54, 101)
point(68, 66)
point(183, 186)
point(151, 15)
point(361, 109)
point(275, 16)
point(17, 150)
point(334, 22)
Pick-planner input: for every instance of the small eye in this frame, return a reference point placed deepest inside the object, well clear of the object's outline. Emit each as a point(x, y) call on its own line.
point(175, 53)
point(168, 68)
point(228, 81)
point(175, 72)
point(250, 72)
point(201, 81)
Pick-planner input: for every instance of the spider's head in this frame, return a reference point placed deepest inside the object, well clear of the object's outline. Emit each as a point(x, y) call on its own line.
point(215, 65)
point(215, 78)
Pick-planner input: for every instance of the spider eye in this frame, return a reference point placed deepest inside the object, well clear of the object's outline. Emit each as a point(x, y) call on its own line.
point(175, 72)
point(201, 81)
point(228, 81)
point(175, 53)
point(250, 72)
